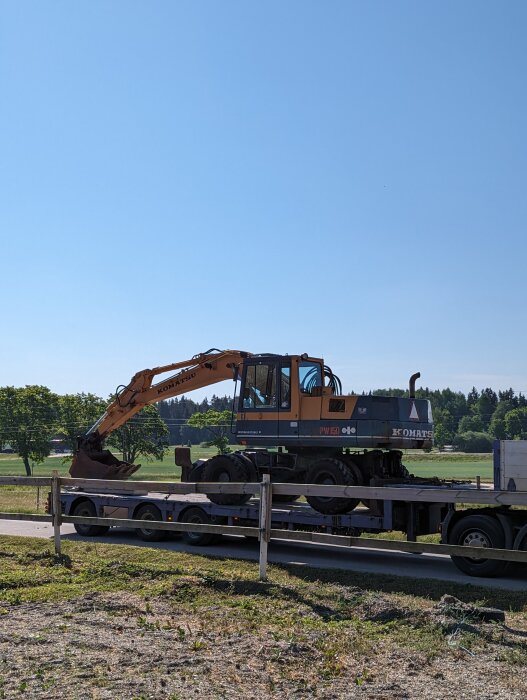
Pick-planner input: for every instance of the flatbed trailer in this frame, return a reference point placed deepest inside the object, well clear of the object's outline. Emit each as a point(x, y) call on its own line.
point(502, 525)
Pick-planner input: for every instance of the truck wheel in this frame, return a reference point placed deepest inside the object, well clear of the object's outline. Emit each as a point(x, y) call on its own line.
point(149, 512)
point(86, 509)
point(332, 472)
point(227, 468)
point(478, 531)
point(199, 539)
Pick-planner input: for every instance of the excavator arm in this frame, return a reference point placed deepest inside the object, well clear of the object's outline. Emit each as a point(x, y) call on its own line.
point(92, 462)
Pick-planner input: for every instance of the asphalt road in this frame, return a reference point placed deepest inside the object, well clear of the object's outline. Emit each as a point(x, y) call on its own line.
point(421, 566)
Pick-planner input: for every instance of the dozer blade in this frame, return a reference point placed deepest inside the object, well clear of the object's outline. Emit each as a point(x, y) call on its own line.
point(100, 465)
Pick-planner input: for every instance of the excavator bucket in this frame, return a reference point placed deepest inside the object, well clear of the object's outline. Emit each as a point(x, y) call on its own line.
point(100, 465)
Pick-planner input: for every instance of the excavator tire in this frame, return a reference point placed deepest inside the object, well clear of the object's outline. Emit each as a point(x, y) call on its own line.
point(376, 507)
point(227, 468)
point(333, 472)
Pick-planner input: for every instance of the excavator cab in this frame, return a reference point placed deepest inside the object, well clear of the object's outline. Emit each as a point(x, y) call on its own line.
point(296, 402)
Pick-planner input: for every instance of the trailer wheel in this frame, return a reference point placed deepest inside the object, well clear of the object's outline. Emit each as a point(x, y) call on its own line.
point(478, 531)
point(227, 468)
point(332, 472)
point(199, 539)
point(520, 542)
point(149, 512)
point(86, 509)
point(520, 545)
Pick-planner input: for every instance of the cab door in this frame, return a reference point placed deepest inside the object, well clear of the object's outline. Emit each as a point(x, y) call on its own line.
point(259, 402)
point(288, 416)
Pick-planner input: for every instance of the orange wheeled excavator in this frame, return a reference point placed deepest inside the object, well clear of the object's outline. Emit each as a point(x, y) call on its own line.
point(291, 420)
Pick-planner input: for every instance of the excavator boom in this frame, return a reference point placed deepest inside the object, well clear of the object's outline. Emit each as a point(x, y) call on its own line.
point(92, 462)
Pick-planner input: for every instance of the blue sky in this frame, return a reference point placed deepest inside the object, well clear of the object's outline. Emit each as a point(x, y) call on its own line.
point(345, 179)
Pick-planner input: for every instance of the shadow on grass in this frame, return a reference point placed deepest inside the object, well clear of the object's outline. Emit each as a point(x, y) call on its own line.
point(428, 588)
point(431, 589)
point(269, 590)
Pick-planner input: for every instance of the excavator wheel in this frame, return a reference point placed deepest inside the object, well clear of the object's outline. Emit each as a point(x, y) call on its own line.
point(227, 468)
point(376, 507)
point(331, 472)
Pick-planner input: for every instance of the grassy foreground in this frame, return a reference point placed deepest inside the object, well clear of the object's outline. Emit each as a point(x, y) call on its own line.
point(309, 632)
point(30, 572)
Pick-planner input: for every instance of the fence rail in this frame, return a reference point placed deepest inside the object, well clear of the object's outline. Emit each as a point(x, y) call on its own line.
point(264, 532)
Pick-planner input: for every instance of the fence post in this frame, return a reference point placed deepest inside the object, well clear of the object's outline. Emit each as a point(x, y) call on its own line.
point(57, 510)
point(265, 521)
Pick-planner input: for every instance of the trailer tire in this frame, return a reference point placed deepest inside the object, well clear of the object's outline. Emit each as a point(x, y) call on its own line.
point(199, 539)
point(331, 472)
point(86, 509)
point(483, 531)
point(149, 512)
point(227, 468)
point(520, 543)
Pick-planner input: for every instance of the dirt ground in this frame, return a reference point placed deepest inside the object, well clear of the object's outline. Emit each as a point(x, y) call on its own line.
point(117, 645)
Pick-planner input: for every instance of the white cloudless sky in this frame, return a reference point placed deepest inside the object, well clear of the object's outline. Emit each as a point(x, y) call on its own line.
point(346, 179)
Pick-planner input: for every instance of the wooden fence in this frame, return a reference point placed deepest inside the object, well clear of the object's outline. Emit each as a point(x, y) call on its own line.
point(264, 532)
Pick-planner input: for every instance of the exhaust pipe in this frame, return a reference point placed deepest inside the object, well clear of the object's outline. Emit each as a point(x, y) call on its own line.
point(411, 386)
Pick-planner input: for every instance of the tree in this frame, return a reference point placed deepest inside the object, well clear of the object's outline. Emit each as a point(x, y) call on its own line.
point(497, 428)
point(78, 412)
point(472, 398)
point(218, 424)
point(145, 434)
point(29, 419)
point(467, 423)
point(473, 441)
point(442, 436)
point(486, 405)
point(508, 395)
point(516, 424)
point(444, 426)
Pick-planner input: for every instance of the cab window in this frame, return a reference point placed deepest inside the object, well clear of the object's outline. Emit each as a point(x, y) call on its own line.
point(285, 387)
point(260, 387)
point(309, 376)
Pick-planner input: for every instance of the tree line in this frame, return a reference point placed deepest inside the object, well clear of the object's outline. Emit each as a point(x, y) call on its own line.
point(176, 413)
point(32, 416)
point(471, 422)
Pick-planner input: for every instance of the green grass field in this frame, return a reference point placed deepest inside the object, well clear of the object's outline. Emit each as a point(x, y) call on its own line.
point(21, 499)
point(453, 470)
point(443, 465)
